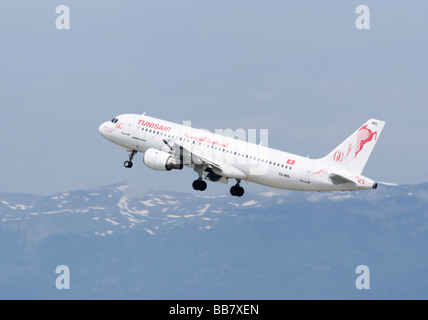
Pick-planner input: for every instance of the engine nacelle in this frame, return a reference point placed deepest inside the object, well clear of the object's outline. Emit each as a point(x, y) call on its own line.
point(161, 160)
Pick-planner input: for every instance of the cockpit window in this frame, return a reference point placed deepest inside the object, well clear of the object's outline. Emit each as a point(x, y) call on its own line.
point(114, 120)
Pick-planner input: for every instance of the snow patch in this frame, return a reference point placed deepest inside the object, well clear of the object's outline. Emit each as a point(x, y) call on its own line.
point(112, 222)
point(149, 231)
point(59, 211)
point(123, 188)
point(201, 212)
point(340, 197)
point(249, 203)
point(314, 197)
point(148, 203)
point(11, 219)
point(206, 197)
point(166, 197)
point(173, 216)
point(204, 209)
point(20, 207)
point(234, 204)
point(268, 194)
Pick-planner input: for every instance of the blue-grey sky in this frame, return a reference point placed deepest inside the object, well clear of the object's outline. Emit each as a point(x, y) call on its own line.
point(298, 68)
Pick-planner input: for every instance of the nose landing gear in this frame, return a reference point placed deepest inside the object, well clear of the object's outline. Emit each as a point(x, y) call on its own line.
point(128, 163)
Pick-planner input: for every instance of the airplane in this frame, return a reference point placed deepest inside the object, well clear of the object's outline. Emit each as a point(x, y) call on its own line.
point(219, 158)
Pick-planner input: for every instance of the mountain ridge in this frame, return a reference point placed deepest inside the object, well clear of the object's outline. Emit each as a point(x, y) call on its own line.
point(120, 244)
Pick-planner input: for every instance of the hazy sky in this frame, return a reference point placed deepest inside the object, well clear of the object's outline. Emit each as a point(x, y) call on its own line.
point(298, 68)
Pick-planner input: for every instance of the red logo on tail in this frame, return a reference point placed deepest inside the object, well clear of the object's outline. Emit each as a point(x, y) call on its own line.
point(364, 135)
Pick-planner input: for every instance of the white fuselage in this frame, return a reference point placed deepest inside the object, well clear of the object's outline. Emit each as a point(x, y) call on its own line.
point(258, 163)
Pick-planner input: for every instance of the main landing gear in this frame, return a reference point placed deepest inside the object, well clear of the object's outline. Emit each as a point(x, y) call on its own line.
point(128, 163)
point(237, 190)
point(199, 185)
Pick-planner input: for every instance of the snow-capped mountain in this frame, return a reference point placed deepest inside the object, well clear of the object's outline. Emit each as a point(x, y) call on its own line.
point(115, 208)
point(120, 243)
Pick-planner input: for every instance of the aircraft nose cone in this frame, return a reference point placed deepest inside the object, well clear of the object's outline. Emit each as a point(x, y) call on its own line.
point(101, 129)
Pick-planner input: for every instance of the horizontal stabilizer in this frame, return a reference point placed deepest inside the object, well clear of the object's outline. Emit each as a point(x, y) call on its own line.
point(360, 182)
point(340, 179)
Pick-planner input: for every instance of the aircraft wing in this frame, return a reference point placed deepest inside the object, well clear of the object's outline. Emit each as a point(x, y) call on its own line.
point(219, 167)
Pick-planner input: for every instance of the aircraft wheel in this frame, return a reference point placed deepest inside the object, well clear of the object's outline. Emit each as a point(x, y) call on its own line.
point(202, 186)
point(195, 184)
point(240, 192)
point(199, 185)
point(128, 164)
point(234, 191)
point(237, 191)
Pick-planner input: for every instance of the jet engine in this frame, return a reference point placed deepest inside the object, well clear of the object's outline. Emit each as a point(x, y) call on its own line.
point(161, 160)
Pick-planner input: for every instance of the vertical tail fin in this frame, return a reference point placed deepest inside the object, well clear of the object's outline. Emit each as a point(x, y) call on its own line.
point(354, 152)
